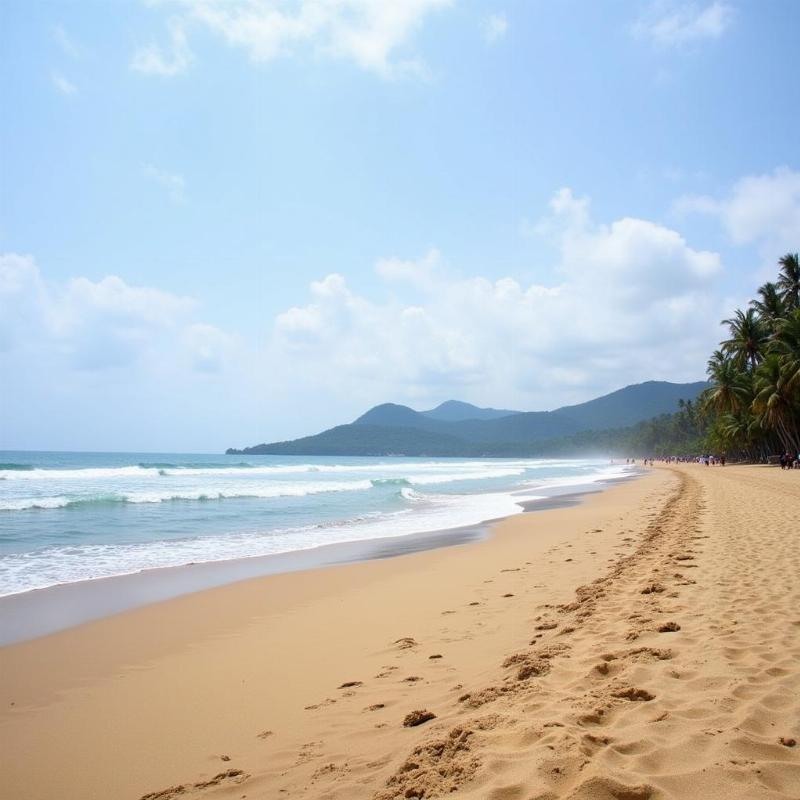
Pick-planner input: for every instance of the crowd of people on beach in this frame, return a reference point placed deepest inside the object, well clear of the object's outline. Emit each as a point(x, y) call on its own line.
point(786, 460)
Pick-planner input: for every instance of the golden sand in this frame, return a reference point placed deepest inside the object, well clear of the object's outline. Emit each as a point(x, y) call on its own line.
point(643, 645)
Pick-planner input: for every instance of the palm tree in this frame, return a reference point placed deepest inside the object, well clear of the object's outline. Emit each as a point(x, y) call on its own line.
point(730, 391)
point(789, 280)
point(786, 345)
point(748, 338)
point(770, 305)
point(753, 403)
point(774, 402)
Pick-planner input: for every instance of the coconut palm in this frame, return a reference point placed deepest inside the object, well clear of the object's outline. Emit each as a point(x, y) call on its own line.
point(730, 391)
point(769, 305)
point(789, 280)
point(748, 338)
point(774, 402)
point(786, 345)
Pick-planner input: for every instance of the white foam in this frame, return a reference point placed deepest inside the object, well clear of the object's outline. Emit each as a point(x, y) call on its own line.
point(26, 503)
point(419, 511)
point(432, 480)
point(66, 564)
point(481, 468)
point(209, 493)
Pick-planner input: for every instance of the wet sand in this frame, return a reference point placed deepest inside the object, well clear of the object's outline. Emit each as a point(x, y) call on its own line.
point(643, 644)
point(39, 612)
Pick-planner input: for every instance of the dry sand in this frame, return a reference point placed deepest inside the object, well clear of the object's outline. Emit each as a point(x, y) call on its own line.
point(643, 645)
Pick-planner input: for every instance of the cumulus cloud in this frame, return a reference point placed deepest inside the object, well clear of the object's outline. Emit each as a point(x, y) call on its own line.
point(209, 349)
point(367, 32)
point(631, 302)
point(424, 273)
point(98, 325)
point(673, 24)
point(494, 28)
point(759, 209)
point(153, 59)
point(174, 184)
point(23, 299)
point(628, 300)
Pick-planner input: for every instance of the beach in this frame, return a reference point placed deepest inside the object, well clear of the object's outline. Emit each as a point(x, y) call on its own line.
point(644, 643)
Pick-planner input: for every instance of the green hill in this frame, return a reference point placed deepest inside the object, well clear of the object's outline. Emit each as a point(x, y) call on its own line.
point(391, 429)
point(456, 410)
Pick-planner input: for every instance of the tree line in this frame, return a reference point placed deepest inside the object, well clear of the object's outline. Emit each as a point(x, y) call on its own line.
point(752, 408)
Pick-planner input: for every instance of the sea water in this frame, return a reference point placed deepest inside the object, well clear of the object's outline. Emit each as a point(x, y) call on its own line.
point(67, 517)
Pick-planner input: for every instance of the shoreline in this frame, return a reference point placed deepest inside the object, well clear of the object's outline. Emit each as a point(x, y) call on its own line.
point(642, 644)
point(40, 612)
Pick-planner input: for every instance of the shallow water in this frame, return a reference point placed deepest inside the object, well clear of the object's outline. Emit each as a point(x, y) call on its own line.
point(67, 517)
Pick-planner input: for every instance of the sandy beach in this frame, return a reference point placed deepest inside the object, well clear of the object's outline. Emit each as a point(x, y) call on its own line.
point(643, 644)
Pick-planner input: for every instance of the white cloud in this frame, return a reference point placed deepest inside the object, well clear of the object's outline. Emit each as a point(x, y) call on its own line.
point(96, 325)
point(63, 85)
point(423, 273)
point(673, 24)
point(67, 44)
point(367, 32)
point(632, 302)
point(71, 49)
point(174, 184)
point(495, 27)
point(103, 364)
point(155, 60)
point(208, 348)
point(759, 209)
point(22, 299)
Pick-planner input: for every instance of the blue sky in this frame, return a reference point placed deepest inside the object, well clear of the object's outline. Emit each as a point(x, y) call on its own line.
point(230, 222)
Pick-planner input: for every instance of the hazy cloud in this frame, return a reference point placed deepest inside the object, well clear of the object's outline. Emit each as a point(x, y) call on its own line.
point(173, 183)
point(631, 303)
point(759, 209)
point(165, 62)
point(368, 32)
point(62, 85)
point(95, 325)
point(67, 44)
point(495, 27)
point(671, 24)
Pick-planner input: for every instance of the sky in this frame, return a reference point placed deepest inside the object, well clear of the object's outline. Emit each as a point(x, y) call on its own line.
point(224, 222)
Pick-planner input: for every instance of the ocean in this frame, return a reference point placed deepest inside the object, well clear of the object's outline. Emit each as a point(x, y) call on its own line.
point(68, 517)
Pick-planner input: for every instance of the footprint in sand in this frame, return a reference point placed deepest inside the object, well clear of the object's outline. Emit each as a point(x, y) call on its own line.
point(414, 718)
point(669, 627)
point(634, 695)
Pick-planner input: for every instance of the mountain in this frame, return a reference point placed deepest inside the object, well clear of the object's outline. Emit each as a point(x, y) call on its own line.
point(525, 426)
point(368, 440)
point(395, 416)
point(452, 428)
point(632, 404)
point(456, 410)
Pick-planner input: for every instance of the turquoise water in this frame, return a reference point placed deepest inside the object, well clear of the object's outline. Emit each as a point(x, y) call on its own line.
point(68, 517)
